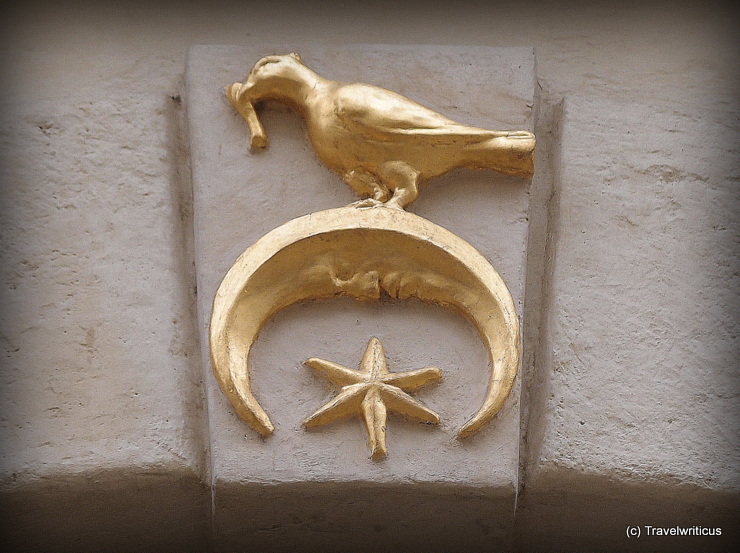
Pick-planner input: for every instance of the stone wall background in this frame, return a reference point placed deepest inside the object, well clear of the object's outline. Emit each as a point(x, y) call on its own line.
point(631, 391)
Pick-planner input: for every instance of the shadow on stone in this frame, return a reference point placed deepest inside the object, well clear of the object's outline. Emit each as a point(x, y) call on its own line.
point(111, 510)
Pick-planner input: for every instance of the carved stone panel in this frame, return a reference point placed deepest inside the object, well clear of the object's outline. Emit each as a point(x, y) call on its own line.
point(324, 477)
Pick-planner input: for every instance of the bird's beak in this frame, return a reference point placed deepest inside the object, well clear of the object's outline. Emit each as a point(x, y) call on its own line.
point(233, 93)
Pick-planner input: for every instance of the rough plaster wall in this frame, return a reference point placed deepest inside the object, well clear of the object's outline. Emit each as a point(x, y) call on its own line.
point(641, 309)
point(93, 202)
point(99, 396)
point(98, 300)
point(637, 381)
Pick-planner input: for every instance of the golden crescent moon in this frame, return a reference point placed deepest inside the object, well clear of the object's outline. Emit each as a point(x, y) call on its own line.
point(359, 253)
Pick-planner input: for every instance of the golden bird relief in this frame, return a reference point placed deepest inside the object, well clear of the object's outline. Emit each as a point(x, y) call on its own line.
point(381, 143)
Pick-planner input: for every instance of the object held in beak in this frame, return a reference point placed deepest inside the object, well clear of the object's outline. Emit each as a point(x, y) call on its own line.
point(235, 94)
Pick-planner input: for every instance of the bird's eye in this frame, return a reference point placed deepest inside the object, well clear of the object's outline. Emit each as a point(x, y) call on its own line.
point(265, 61)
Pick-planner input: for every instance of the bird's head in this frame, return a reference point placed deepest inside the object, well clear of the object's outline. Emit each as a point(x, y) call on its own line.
point(272, 78)
point(276, 68)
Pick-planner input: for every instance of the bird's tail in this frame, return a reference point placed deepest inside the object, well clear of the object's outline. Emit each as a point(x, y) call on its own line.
point(510, 154)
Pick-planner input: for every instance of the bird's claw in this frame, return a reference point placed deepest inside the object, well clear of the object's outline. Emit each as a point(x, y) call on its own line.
point(366, 203)
point(394, 205)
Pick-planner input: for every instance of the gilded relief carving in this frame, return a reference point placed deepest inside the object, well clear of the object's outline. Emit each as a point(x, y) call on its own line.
point(383, 145)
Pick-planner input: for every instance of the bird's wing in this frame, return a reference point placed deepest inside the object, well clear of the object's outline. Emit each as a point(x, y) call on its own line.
point(383, 115)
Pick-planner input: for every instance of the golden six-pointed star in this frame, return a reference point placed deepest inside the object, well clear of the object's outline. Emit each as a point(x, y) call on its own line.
point(371, 392)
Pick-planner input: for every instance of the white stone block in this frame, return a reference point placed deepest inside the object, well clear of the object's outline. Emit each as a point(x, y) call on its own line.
point(296, 485)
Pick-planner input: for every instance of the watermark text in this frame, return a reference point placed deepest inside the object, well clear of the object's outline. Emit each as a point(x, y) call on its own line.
point(648, 530)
